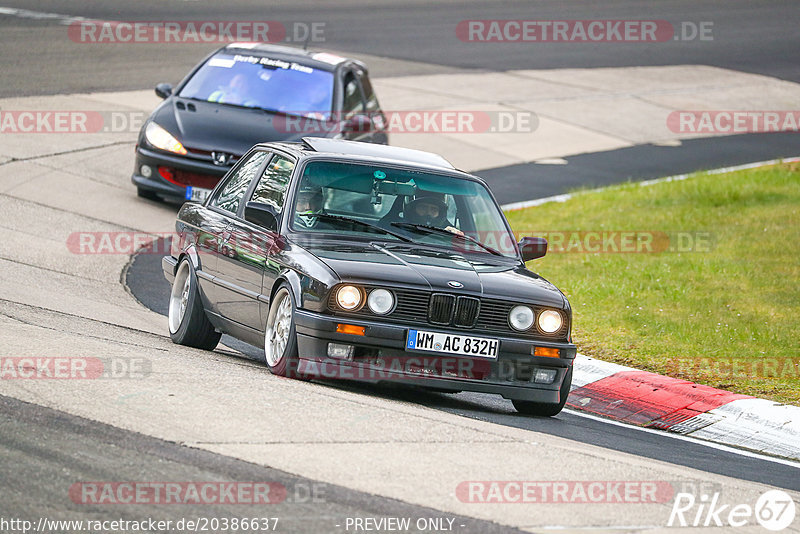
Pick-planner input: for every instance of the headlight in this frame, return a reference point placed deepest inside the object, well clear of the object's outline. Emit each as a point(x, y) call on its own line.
point(550, 321)
point(348, 297)
point(520, 318)
point(380, 301)
point(160, 138)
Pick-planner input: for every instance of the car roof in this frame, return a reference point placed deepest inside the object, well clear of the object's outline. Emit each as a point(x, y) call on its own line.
point(373, 150)
point(310, 58)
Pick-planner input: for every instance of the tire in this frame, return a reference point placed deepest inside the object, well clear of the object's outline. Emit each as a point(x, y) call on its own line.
point(146, 193)
point(543, 409)
point(280, 337)
point(188, 324)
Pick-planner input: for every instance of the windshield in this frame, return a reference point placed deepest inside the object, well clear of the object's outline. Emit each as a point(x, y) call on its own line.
point(400, 205)
point(264, 83)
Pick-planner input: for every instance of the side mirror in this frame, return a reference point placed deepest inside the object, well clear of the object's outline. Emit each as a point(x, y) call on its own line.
point(262, 215)
point(163, 90)
point(532, 248)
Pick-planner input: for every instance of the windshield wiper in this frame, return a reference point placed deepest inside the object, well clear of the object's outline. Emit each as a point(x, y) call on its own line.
point(448, 233)
point(351, 220)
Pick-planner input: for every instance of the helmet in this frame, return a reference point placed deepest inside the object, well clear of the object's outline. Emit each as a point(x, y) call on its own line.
point(427, 208)
point(309, 202)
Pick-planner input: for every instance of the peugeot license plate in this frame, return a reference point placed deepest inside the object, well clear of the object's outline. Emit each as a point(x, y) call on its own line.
point(197, 194)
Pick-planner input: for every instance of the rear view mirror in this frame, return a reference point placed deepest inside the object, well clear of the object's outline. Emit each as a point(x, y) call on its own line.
point(532, 248)
point(163, 90)
point(262, 215)
point(387, 187)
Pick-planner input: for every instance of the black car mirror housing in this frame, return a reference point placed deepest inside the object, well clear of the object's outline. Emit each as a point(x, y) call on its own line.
point(262, 215)
point(532, 248)
point(163, 90)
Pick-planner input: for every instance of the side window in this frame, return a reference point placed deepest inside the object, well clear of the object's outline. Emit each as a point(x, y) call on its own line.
point(369, 93)
point(230, 196)
point(271, 188)
point(353, 103)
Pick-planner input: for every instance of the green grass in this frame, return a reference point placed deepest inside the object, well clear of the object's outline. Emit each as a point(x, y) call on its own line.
point(727, 317)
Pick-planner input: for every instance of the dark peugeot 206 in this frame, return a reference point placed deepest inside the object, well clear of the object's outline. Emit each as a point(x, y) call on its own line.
point(243, 94)
point(374, 263)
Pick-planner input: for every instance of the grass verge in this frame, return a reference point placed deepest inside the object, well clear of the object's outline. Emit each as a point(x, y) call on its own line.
point(710, 289)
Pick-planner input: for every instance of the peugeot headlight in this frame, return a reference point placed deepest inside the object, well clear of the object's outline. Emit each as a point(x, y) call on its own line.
point(348, 297)
point(380, 301)
point(520, 318)
point(160, 138)
point(550, 321)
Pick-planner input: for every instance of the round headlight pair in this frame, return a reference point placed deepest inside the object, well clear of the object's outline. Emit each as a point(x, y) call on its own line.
point(521, 318)
point(380, 301)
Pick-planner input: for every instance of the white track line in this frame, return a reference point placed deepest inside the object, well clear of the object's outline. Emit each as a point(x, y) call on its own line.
point(39, 15)
point(696, 441)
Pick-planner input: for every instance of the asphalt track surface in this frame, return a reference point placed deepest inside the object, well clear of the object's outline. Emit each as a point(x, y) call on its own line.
point(44, 451)
point(759, 37)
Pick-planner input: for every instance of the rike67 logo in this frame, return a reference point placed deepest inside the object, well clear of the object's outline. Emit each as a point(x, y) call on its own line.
point(774, 510)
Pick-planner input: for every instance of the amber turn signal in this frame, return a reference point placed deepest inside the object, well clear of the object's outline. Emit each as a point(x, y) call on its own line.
point(350, 329)
point(546, 352)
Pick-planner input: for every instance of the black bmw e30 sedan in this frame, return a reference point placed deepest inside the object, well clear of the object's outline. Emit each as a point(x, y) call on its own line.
point(368, 262)
point(243, 94)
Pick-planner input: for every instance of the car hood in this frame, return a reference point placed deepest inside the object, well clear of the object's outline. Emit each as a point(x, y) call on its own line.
point(433, 269)
point(217, 127)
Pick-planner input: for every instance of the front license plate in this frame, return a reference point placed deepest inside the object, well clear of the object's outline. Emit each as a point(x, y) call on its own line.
point(452, 344)
point(197, 194)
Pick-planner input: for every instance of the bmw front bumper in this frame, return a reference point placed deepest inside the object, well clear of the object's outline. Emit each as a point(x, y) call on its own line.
point(380, 355)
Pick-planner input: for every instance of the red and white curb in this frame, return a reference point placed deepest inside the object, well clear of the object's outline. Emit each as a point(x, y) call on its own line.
point(656, 401)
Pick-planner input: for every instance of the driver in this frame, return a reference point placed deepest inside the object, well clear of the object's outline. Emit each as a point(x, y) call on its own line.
point(429, 209)
point(309, 203)
point(236, 92)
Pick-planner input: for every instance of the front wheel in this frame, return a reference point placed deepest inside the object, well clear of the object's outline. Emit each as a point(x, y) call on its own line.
point(188, 324)
point(544, 409)
point(280, 338)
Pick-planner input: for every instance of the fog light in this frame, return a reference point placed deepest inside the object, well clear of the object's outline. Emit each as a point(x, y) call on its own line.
point(146, 171)
point(342, 352)
point(544, 376)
